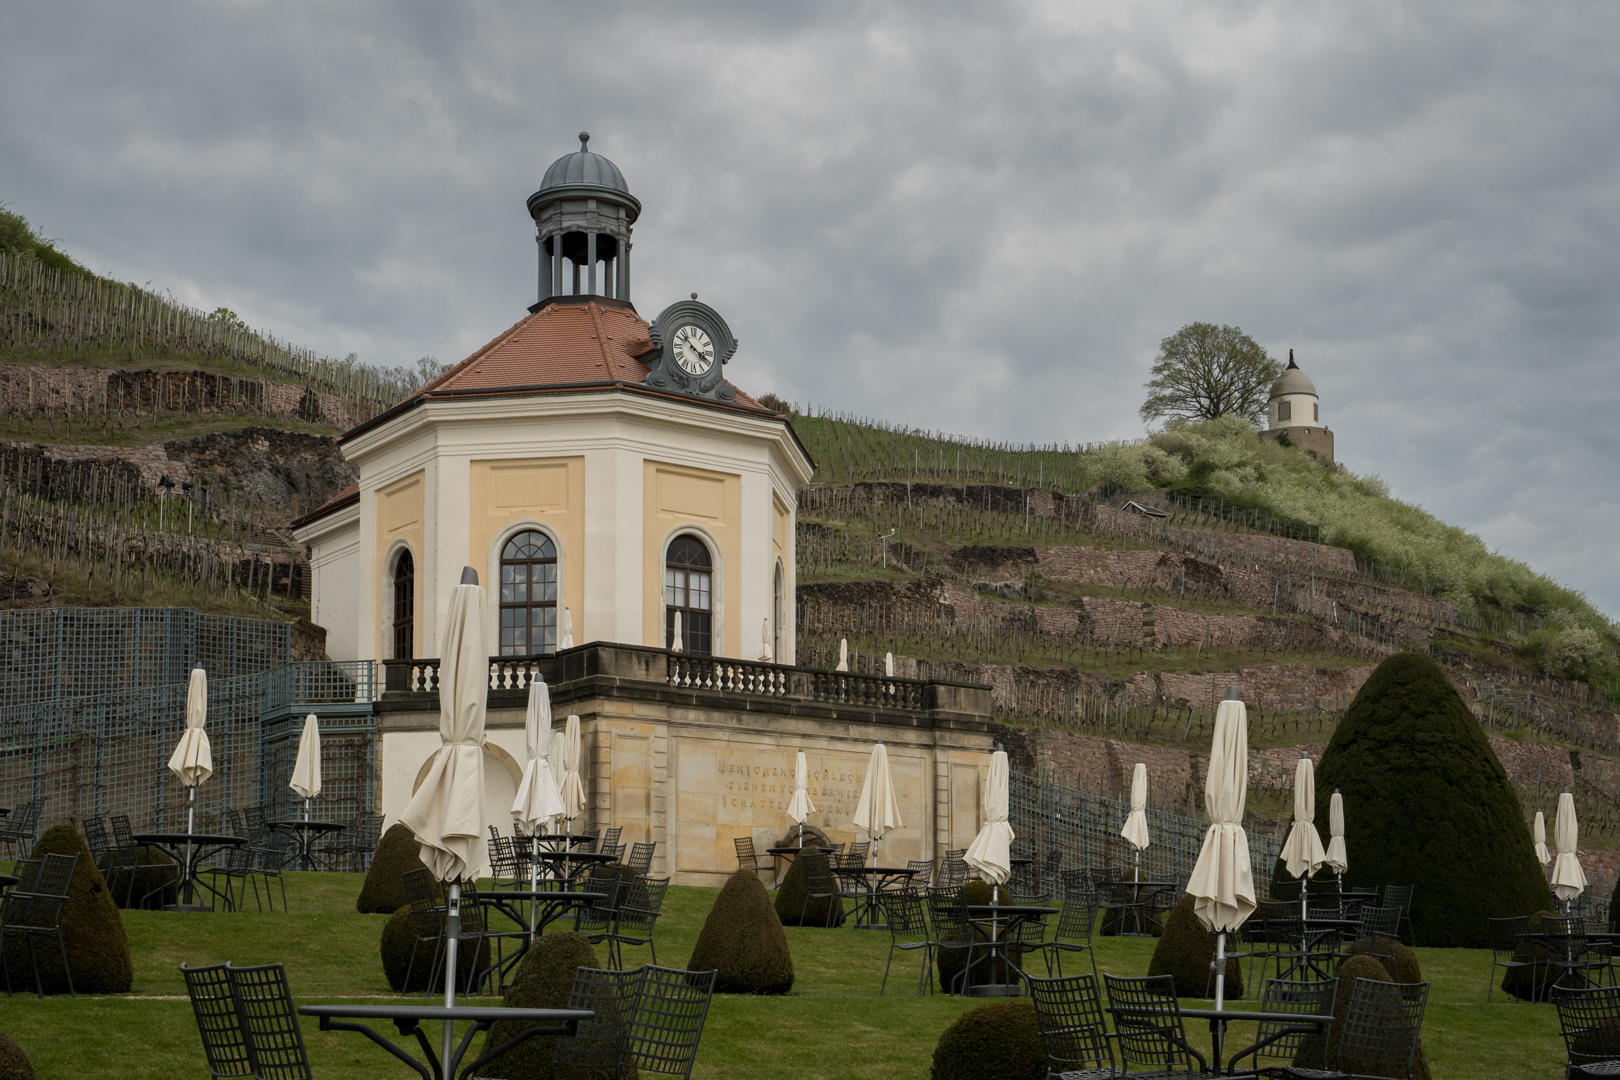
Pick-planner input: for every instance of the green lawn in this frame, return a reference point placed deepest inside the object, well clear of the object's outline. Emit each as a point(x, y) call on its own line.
point(834, 1024)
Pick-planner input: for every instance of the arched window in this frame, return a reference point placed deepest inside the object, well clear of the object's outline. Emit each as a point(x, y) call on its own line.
point(404, 606)
point(778, 616)
point(688, 589)
point(528, 595)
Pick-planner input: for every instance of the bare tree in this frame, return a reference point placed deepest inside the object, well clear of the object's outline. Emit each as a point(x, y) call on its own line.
point(1204, 371)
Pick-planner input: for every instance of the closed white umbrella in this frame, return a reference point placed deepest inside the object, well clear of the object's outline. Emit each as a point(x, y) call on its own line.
point(306, 776)
point(568, 630)
point(193, 759)
point(1222, 883)
point(572, 791)
point(447, 811)
point(991, 851)
point(675, 642)
point(888, 665)
point(877, 811)
point(765, 640)
point(537, 800)
point(1568, 879)
point(1135, 831)
point(555, 758)
point(1538, 833)
point(1337, 858)
point(1303, 854)
point(800, 806)
point(843, 654)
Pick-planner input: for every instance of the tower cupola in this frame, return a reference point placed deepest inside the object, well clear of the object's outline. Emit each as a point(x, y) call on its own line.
point(583, 214)
point(1294, 414)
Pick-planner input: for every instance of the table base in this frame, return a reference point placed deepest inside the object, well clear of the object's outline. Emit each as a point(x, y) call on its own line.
point(187, 907)
point(996, 990)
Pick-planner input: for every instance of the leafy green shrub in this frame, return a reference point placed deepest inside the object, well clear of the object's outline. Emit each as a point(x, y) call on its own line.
point(14, 1064)
point(383, 891)
point(1428, 804)
point(790, 901)
point(92, 929)
point(399, 936)
point(743, 939)
point(542, 981)
point(993, 1042)
point(1351, 969)
point(1186, 952)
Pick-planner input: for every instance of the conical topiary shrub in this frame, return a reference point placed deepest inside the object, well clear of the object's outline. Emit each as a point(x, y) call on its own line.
point(949, 962)
point(790, 901)
point(148, 888)
point(383, 891)
point(1353, 968)
point(14, 1064)
point(993, 1042)
point(542, 981)
point(1404, 968)
point(742, 939)
point(1427, 804)
point(1186, 952)
point(92, 929)
point(398, 937)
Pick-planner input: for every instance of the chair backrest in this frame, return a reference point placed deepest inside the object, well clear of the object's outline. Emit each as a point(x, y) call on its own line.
point(55, 875)
point(423, 897)
point(610, 837)
point(1399, 896)
point(1381, 1027)
point(1069, 1015)
point(952, 873)
point(859, 851)
point(224, 1042)
point(1074, 883)
point(818, 878)
point(1504, 935)
point(275, 1045)
point(1079, 917)
point(123, 836)
point(234, 824)
point(1149, 1032)
point(27, 874)
point(1380, 920)
point(641, 857)
point(598, 1044)
point(371, 828)
point(639, 909)
point(95, 838)
point(958, 854)
point(746, 857)
point(1589, 1020)
point(905, 914)
point(1287, 996)
point(671, 1006)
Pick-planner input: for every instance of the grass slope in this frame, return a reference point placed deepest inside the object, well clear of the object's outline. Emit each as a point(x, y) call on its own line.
point(832, 1025)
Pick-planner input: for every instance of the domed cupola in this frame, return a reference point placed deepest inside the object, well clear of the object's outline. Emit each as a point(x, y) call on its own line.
point(583, 215)
point(1293, 399)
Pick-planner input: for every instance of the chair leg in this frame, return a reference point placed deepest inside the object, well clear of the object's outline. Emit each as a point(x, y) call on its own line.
point(885, 984)
point(62, 948)
point(39, 987)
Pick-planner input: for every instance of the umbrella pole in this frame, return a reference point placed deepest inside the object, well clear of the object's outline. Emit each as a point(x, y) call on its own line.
point(534, 881)
point(452, 933)
point(191, 818)
point(1217, 1029)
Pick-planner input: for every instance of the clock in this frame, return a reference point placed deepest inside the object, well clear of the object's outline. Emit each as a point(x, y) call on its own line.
point(694, 349)
point(690, 344)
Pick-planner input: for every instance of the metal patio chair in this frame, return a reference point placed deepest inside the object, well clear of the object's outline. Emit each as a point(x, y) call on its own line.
point(650, 1019)
point(224, 1042)
point(264, 1007)
point(36, 913)
point(908, 931)
point(819, 884)
point(1073, 933)
point(924, 872)
point(427, 916)
point(1380, 1033)
point(633, 923)
point(1068, 1012)
point(641, 857)
point(1283, 1042)
point(1507, 950)
point(1589, 1021)
point(1148, 1028)
point(1400, 896)
point(747, 858)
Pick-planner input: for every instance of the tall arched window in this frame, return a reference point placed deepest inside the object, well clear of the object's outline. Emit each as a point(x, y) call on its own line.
point(688, 589)
point(528, 595)
point(404, 606)
point(778, 615)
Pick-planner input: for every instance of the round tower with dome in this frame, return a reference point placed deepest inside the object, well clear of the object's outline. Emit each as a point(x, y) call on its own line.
point(1294, 414)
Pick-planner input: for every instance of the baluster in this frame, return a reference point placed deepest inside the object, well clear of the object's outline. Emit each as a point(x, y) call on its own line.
point(411, 678)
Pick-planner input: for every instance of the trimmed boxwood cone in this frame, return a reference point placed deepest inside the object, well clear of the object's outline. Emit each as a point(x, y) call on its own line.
point(1404, 968)
point(542, 981)
point(1353, 968)
point(993, 1042)
point(1428, 804)
point(399, 935)
point(145, 881)
point(790, 901)
point(1186, 952)
point(383, 891)
point(92, 930)
point(14, 1064)
point(742, 939)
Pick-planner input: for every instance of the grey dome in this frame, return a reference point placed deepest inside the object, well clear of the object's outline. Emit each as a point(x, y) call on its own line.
point(584, 168)
point(1293, 381)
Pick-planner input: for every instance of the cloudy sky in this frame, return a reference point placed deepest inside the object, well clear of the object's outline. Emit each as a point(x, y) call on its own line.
point(978, 217)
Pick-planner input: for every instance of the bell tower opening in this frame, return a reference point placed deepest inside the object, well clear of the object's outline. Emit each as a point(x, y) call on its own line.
point(583, 216)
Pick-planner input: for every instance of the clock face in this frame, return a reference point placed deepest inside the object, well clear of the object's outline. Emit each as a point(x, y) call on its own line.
point(693, 350)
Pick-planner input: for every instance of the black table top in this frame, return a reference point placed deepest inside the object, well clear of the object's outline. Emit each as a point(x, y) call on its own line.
point(540, 894)
point(892, 871)
point(310, 826)
point(1225, 1014)
point(990, 911)
point(165, 839)
point(478, 1013)
point(558, 838)
point(577, 856)
point(1019, 860)
point(795, 850)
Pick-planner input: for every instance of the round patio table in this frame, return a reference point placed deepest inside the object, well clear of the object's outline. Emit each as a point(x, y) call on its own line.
point(188, 849)
point(408, 1019)
point(878, 878)
point(790, 853)
point(1219, 1018)
point(306, 832)
point(1132, 908)
point(545, 907)
point(570, 860)
point(1002, 920)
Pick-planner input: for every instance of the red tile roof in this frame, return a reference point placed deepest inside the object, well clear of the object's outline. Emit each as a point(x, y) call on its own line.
point(350, 494)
